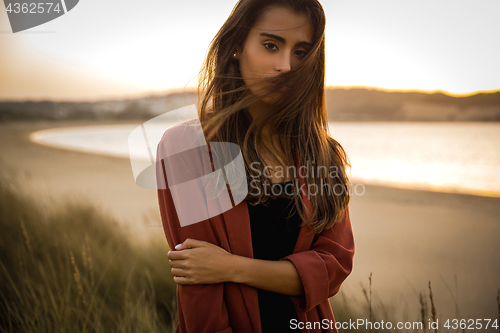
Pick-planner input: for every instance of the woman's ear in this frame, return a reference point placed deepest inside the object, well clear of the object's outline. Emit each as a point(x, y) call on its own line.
point(236, 54)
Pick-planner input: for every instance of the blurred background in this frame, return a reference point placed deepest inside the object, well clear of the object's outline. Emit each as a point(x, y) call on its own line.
point(116, 48)
point(413, 96)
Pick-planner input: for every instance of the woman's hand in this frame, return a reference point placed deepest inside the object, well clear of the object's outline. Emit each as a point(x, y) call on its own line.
point(199, 262)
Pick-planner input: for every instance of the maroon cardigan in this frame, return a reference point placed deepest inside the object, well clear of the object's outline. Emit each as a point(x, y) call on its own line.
point(323, 262)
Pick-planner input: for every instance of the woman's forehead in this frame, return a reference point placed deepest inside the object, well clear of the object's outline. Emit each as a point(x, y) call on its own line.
point(283, 21)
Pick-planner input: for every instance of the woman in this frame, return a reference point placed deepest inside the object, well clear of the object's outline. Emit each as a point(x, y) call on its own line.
point(271, 262)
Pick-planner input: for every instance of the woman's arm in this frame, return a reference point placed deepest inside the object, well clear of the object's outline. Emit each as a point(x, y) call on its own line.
point(324, 267)
point(308, 277)
point(201, 308)
point(277, 276)
point(199, 262)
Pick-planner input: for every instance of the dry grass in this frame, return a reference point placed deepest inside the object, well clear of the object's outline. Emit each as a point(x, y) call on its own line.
point(71, 268)
point(348, 308)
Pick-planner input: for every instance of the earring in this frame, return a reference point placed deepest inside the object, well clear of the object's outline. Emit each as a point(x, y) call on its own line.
point(234, 55)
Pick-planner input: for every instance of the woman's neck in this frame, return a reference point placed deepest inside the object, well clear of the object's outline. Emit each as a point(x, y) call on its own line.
point(258, 110)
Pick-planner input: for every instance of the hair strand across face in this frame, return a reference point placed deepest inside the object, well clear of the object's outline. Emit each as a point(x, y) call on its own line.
point(298, 123)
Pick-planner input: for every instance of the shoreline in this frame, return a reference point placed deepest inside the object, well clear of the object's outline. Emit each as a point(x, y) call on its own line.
point(37, 138)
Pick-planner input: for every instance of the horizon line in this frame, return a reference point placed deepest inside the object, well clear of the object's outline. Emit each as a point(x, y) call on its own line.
point(188, 90)
point(429, 92)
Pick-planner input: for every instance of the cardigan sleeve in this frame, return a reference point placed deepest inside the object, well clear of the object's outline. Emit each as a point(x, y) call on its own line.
point(324, 267)
point(201, 308)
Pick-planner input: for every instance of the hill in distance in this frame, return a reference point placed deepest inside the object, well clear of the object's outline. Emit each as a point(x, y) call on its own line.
point(344, 104)
point(361, 104)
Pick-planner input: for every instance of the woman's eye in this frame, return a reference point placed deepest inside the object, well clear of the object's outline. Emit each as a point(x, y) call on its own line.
point(270, 46)
point(301, 53)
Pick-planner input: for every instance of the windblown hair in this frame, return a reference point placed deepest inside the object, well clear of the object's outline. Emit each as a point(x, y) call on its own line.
point(298, 123)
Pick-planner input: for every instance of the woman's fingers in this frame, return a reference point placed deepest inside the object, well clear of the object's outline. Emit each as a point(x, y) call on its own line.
point(176, 255)
point(180, 254)
point(182, 276)
point(198, 262)
point(190, 243)
point(182, 280)
point(178, 272)
point(176, 263)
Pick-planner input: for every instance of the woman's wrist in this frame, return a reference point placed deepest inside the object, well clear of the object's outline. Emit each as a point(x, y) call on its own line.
point(238, 267)
point(262, 273)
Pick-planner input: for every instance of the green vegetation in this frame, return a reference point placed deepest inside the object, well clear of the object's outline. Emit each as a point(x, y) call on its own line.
point(73, 269)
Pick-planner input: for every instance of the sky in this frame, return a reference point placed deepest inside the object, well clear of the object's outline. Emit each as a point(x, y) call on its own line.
point(116, 48)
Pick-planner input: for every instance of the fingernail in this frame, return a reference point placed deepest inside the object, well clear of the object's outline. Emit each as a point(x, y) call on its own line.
point(178, 246)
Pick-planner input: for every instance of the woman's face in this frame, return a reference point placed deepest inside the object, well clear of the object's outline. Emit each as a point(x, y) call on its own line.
point(275, 44)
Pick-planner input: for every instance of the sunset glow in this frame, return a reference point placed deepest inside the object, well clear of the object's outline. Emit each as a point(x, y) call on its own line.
point(161, 46)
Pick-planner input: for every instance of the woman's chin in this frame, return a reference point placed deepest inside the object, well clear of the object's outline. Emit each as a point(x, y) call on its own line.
point(270, 100)
point(273, 97)
point(269, 95)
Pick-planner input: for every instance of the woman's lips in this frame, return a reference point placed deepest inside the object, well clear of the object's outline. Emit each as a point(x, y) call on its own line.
point(274, 86)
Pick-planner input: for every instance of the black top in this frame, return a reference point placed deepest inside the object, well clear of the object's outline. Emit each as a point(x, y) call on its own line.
point(274, 237)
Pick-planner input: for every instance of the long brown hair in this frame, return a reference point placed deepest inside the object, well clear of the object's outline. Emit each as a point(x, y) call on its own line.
point(298, 123)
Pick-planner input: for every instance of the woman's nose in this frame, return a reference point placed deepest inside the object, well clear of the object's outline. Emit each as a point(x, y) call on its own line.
point(283, 64)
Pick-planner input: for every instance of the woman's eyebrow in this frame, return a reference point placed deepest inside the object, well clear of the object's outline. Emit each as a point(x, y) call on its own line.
point(283, 40)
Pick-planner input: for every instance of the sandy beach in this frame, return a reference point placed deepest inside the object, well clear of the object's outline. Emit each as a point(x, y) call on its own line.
point(404, 237)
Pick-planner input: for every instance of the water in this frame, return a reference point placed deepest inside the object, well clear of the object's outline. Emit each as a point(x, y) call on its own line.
point(451, 157)
point(448, 157)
